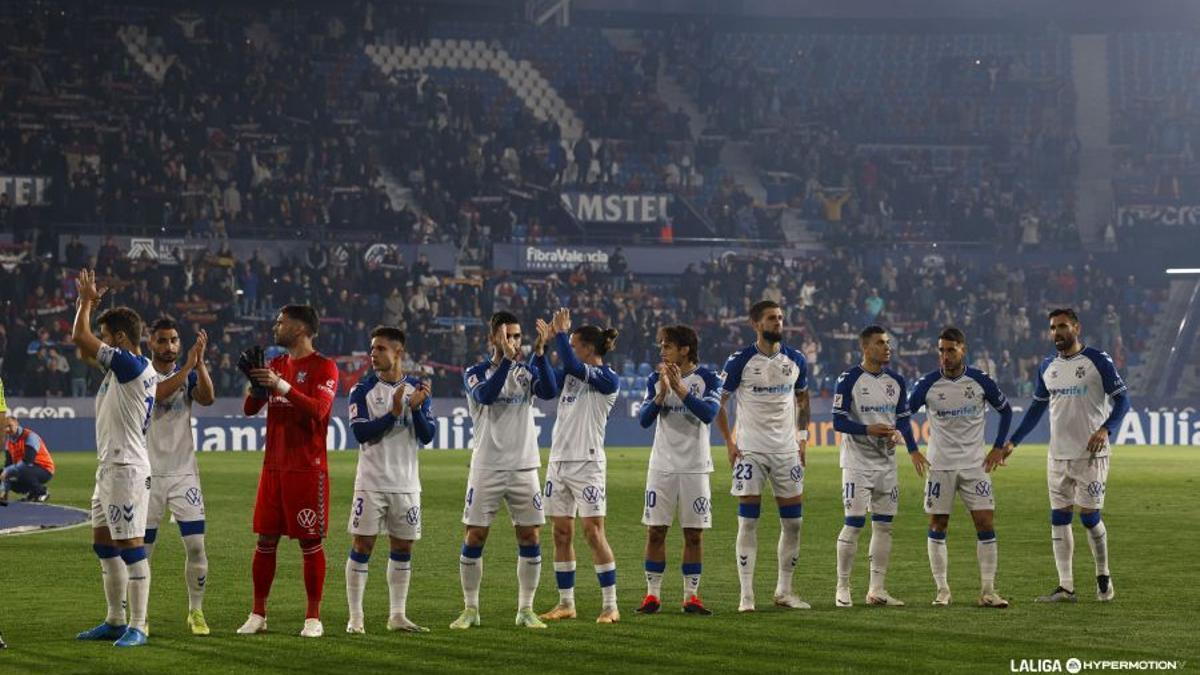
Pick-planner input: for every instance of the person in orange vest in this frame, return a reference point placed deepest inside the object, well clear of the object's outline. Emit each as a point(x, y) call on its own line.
point(27, 464)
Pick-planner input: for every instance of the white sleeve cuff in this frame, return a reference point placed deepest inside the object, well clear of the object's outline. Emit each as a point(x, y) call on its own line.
point(802, 435)
point(282, 388)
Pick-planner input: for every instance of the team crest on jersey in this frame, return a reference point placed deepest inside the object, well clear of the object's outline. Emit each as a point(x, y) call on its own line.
point(864, 391)
point(413, 516)
point(969, 392)
point(592, 494)
point(984, 488)
point(796, 473)
point(301, 376)
point(1095, 488)
point(1080, 372)
point(192, 496)
point(890, 391)
point(307, 518)
point(522, 378)
point(700, 506)
point(787, 370)
point(696, 388)
point(941, 396)
point(1054, 374)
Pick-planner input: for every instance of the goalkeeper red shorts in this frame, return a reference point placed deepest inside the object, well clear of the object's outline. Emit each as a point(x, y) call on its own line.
point(295, 503)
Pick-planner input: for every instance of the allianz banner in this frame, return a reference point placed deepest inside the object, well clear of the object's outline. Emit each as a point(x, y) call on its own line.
point(25, 190)
point(589, 207)
point(1161, 215)
point(68, 425)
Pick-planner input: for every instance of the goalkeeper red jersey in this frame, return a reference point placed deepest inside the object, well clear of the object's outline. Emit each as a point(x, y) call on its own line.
point(297, 422)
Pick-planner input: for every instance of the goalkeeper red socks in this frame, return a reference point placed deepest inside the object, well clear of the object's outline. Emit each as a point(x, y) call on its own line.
point(314, 576)
point(263, 571)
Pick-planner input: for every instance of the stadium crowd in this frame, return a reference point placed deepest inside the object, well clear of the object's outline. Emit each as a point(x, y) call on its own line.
point(828, 296)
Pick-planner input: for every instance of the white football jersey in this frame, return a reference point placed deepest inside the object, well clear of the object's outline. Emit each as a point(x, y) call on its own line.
point(869, 398)
point(169, 439)
point(1079, 389)
point(505, 436)
point(957, 413)
point(124, 405)
point(681, 438)
point(388, 445)
point(583, 407)
point(766, 389)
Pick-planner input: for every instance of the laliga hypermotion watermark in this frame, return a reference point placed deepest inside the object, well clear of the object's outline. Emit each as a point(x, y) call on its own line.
point(1074, 665)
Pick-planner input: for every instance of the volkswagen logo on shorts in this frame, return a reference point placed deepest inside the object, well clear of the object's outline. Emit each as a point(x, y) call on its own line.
point(193, 496)
point(895, 493)
point(537, 502)
point(114, 513)
point(797, 473)
point(591, 494)
point(307, 518)
point(983, 488)
point(700, 506)
point(1095, 488)
point(413, 516)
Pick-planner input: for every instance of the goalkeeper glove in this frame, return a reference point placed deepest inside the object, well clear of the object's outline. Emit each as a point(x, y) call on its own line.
point(253, 358)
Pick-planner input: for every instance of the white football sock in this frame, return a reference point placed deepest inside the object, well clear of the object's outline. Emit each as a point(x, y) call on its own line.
point(985, 550)
point(880, 551)
point(470, 573)
point(691, 580)
point(654, 579)
point(1098, 542)
point(938, 559)
point(606, 574)
point(116, 579)
point(356, 583)
point(195, 569)
point(1063, 540)
point(399, 575)
point(139, 586)
point(747, 553)
point(847, 548)
point(564, 576)
point(787, 553)
point(529, 572)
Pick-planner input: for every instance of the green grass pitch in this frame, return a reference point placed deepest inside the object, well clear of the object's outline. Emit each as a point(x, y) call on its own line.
point(52, 585)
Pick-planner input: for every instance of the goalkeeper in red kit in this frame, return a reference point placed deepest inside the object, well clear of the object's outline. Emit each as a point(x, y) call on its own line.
point(298, 389)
